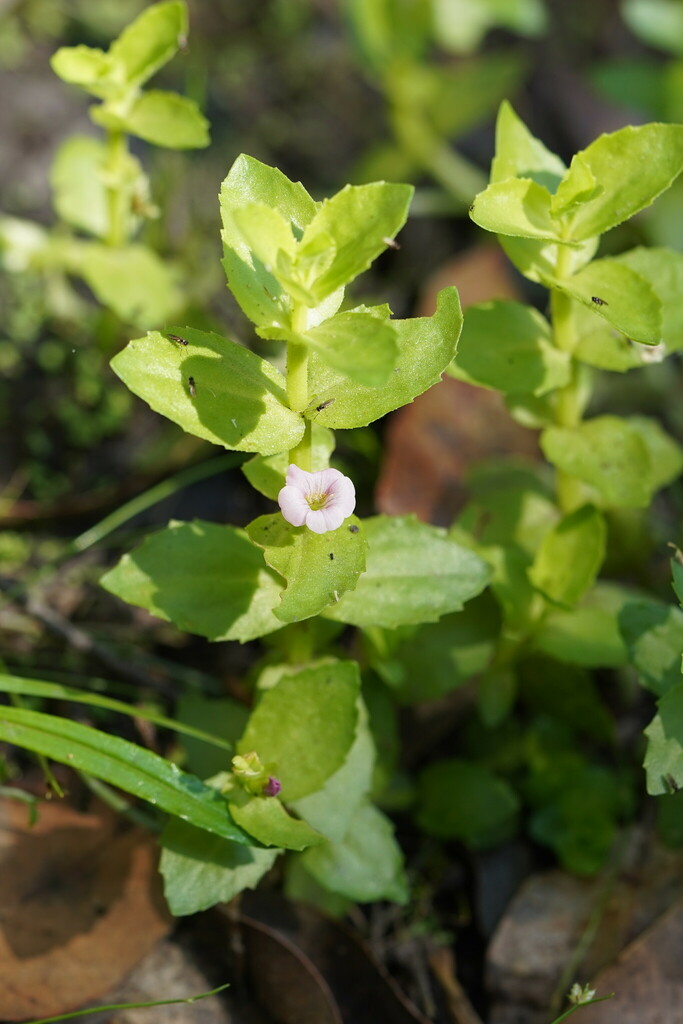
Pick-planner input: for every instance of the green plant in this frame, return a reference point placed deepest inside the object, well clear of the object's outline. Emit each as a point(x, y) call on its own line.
point(99, 187)
point(547, 542)
point(431, 101)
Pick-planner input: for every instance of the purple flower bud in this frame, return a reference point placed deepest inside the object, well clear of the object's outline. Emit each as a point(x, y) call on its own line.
point(272, 786)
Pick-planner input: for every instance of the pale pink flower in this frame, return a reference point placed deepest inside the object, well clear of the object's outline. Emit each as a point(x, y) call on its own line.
point(321, 501)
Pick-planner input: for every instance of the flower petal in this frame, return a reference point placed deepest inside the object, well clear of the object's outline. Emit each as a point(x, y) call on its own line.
point(342, 496)
point(315, 521)
point(334, 517)
point(298, 478)
point(293, 505)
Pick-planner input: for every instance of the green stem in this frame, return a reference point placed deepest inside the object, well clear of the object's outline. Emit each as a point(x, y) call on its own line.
point(569, 403)
point(457, 175)
point(117, 200)
point(297, 388)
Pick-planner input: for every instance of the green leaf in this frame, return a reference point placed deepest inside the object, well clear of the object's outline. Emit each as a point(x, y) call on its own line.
point(301, 887)
point(677, 572)
point(239, 399)
point(657, 22)
point(22, 244)
point(330, 810)
point(607, 453)
point(632, 166)
point(579, 822)
point(264, 231)
point(509, 346)
point(634, 82)
point(653, 634)
point(358, 345)
point(207, 579)
point(464, 800)
point(91, 69)
point(249, 181)
point(537, 260)
point(426, 345)
point(162, 118)
point(511, 586)
point(429, 661)
point(516, 206)
point(266, 473)
point(415, 573)
point(666, 455)
point(223, 715)
point(496, 693)
point(317, 567)
point(588, 635)
point(132, 280)
point(305, 726)
point(460, 25)
point(54, 691)
point(367, 865)
point(511, 504)
point(663, 270)
point(79, 194)
point(257, 290)
point(264, 818)
point(664, 755)
point(619, 295)
point(567, 693)
point(200, 869)
point(360, 220)
point(125, 765)
point(520, 155)
point(599, 345)
point(384, 31)
point(150, 41)
point(578, 186)
point(570, 556)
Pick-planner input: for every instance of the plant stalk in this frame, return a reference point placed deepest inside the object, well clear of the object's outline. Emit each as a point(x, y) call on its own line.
point(569, 404)
point(297, 388)
point(117, 200)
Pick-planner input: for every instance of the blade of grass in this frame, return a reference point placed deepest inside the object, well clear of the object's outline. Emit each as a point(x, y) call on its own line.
point(141, 502)
point(131, 1006)
point(55, 691)
point(123, 764)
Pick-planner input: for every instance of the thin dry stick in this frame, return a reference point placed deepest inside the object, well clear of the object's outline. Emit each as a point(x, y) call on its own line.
point(78, 638)
point(442, 963)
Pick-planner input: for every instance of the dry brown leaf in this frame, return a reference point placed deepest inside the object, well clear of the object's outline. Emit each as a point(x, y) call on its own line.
point(479, 274)
point(80, 905)
point(430, 444)
point(305, 968)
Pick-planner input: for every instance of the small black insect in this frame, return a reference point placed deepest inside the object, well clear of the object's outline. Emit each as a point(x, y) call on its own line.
point(598, 301)
point(353, 529)
point(324, 405)
point(331, 556)
point(176, 337)
point(471, 207)
point(191, 386)
point(671, 783)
